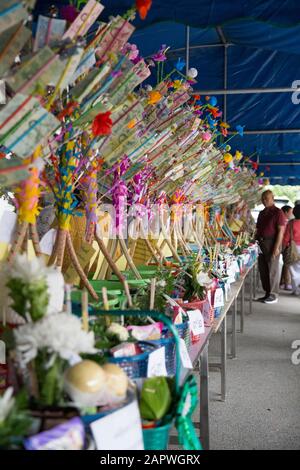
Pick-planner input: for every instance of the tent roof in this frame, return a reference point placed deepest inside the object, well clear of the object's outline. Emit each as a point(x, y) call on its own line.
point(260, 43)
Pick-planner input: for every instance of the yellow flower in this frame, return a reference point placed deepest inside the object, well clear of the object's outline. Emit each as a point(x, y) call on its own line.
point(238, 155)
point(177, 84)
point(227, 157)
point(154, 97)
point(224, 124)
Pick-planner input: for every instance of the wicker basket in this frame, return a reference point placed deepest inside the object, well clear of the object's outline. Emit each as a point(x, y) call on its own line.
point(136, 366)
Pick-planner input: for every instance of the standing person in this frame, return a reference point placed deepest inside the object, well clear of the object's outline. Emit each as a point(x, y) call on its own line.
point(293, 228)
point(269, 233)
point(285, 282)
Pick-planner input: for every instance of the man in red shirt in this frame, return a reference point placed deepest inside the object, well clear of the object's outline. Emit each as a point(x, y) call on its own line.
point(269, 233)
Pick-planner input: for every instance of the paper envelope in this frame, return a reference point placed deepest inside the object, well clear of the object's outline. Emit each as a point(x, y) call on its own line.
point(48, 31)
point(41, 69)
point(84, 20)
point(114, 37)
point(12, 41)
point(24, 124)
point(11, 13)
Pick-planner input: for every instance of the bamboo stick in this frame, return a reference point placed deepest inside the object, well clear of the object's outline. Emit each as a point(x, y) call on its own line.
point(35, 240)
point(78, 267)
point(128, 258)
point(152, 293)
point(85, 310)
point(108, 258)
point(16, 246)
point(61, 245)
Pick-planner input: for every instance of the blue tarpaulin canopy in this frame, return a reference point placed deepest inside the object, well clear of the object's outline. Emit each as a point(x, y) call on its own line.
point(247, 54)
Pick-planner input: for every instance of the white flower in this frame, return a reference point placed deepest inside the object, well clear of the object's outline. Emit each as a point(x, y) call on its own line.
point(59, 333)
point(203, 279)
point(148, 88)
point(118, 330)
point(192, 73)
point(28, 270)
point(7, 402)
point(161, 283)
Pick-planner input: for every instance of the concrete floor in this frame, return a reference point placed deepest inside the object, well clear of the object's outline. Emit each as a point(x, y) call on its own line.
point(262, 409)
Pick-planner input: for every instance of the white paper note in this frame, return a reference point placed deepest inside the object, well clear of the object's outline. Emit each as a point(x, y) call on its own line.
point(219, 298)
point(196, 322)
point(184, 355)
point(120, 430)
point(8, 223)
point(157, 363)
point(47, 242)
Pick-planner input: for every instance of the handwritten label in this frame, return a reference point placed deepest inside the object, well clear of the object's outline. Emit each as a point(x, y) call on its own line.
point(157, 363)
point(120, 430)
point(196, 322)
point(184, 355)
point(219, 298)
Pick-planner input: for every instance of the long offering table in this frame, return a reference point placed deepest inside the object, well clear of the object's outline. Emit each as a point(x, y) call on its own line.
point(199, 351)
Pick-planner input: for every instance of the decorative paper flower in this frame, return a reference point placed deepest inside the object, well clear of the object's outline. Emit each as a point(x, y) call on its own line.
point(227, 157)
point(131, 50)
point(143, 7)
point(213, 101)
point(261, 173)
point(60, 333)
point(227, 148)
point(254, 165)
point(240, 130)
point(224, 131)
point(192, 73)
point(131, 124)
point(238, 155)
point(153, 97)
point(177, 84)
point(69, 13)
point(206, 136)
point(180, 64)
point(116, 73)
point(118, 330)
point(224, 124)
point(160, 56)
point(102, 124)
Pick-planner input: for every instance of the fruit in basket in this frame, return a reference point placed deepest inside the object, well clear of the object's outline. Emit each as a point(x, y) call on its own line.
point(85, 383)
point(116, 380)
point(89, 384)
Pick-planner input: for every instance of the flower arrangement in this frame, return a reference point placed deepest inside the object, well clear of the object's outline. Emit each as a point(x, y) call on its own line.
point(14, 419)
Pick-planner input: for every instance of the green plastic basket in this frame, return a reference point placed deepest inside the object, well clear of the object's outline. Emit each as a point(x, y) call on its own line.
point(157, 438)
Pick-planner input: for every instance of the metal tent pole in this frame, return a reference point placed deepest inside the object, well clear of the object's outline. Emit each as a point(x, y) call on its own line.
point(246, 91)
point(187, 49)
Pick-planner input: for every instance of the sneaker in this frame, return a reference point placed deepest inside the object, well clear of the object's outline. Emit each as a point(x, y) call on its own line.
point(295, 292)
point(288, 287)
point(262, 299)
point(272, 299)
